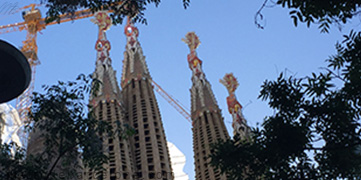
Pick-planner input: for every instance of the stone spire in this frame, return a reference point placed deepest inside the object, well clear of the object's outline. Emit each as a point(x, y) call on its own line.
point(149, 145)
point(104, 72)
point(208, 126)
point(107, 107)
point(239, 124)
point(202, 94)
point(134, 65)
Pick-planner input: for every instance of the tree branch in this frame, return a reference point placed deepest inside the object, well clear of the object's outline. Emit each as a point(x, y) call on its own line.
point(333, 73)
point(62, 153)
point(258, 16)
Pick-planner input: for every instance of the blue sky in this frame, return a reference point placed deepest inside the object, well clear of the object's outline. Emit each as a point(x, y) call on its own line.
point(230, 42)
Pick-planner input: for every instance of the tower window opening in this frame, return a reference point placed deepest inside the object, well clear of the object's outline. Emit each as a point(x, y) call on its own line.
point(134, 98)
point(133, 85)
point(111, 148)
point(150, 160)
point(140, 89)
point(205, 118)
point(139, 174)
point(112, 170)
point(151, 175)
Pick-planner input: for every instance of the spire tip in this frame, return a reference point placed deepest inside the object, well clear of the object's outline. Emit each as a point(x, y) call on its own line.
point(192, 41)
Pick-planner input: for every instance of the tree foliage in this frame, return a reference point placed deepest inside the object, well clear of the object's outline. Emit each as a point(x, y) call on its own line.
point(120, 8)
point(14, 166)
point(70, 131)
point(323, 13)
point(315, 131)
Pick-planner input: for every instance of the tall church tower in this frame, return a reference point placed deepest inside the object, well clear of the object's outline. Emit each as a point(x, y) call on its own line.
point(149, 146)
point(107, 106)
point(208, 125)
point(240, 128)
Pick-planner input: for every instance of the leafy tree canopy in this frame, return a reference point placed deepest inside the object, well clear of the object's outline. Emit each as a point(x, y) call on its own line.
point(323, 13)
point(315, 132)
point(69, 130)
point(120, 8)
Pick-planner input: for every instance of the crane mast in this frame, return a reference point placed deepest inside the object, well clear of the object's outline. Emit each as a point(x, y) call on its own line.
point(30, 49)
point(34, 23)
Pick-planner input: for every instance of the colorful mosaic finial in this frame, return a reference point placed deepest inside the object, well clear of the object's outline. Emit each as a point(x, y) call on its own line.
point(230, 82)
point(103, 20)
point(102, 46)
point(194, 62)
point(132, 33)
point(239, 123)
point(192, 41)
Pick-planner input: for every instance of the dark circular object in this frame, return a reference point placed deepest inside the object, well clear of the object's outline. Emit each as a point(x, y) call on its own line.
point(15, 72)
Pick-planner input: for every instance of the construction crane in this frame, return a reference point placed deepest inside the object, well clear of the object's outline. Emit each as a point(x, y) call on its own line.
point(34, 23)
point(175, 103)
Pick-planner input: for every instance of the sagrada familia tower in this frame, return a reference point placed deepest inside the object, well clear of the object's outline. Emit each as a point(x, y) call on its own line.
point(145, 155)
point(208, 126)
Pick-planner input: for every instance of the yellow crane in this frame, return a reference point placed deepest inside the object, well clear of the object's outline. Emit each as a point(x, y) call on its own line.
point(34, 23)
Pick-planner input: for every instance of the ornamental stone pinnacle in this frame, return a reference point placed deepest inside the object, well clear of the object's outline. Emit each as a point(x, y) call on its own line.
point(149, 148)
point(107, 106)
point(192, 41)
point(103, 69)
point(134, 65)
point(208, 126)
point(240, 128)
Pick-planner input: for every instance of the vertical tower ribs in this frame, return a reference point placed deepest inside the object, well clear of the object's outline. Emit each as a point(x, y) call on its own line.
point(149, 146)
point(208, 125)
point(107, 107)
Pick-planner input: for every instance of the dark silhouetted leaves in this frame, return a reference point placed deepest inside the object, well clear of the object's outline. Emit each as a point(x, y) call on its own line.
point(315, 132)
point(120, 8)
